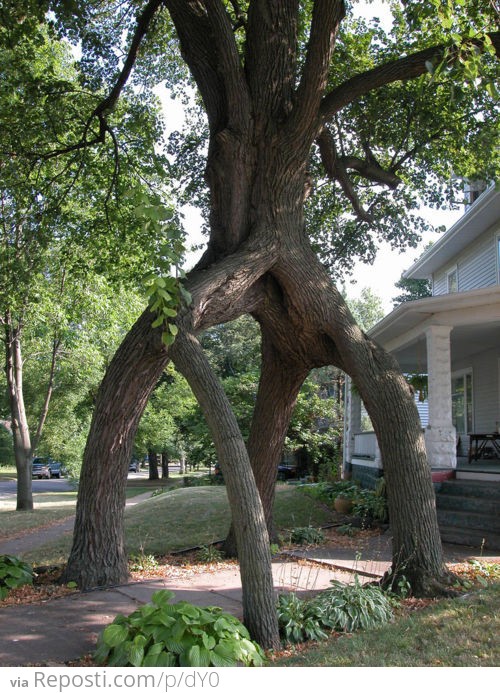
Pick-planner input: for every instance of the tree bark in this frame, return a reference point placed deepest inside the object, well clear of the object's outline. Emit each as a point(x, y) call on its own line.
point(20, 427)
point(153, 466)
point(417, 550)
point(259, 610)
point(98, 555)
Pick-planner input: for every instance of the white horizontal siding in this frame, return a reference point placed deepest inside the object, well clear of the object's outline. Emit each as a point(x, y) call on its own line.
point(477, 265)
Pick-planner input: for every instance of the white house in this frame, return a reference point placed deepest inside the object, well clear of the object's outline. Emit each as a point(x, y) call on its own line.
point(453, 337)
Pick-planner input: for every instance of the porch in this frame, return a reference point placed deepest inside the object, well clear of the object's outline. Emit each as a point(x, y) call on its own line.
point(366, 466)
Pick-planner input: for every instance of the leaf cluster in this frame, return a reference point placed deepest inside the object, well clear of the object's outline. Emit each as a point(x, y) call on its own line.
point(13, 573)
point(164, 634)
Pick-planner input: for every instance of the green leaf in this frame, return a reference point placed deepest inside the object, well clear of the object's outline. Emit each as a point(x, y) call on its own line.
point(115, 634)
point(158, 322)
point(136, 655)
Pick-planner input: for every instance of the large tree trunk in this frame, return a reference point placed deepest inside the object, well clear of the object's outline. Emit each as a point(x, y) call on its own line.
point(252, 539)
point(97, 555)
point(417, 550)
point(280, 380)
point(20, 428)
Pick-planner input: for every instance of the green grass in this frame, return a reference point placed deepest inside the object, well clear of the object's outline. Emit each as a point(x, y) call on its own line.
point(49, 508)
point(461, 632)
point(188, 517)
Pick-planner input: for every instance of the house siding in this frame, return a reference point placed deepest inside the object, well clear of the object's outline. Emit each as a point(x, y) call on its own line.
point(477, 265)
point(485, 392)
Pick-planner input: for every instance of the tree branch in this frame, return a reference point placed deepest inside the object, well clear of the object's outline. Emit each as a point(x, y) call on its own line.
point(408, 67)
point(335, 169)
point(143, 24)
point(200, 51)
point(326, 19)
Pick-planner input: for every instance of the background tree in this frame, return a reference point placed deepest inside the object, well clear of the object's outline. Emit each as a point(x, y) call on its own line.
point(412, 290)
point(60, 229)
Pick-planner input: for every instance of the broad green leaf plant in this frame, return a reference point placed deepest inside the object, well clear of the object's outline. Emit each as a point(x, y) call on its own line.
point(161, 634)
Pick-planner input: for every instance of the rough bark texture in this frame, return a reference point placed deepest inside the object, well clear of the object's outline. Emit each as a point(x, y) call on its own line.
point(259, 261)
point(246, 508)
point(97, 555)
point(20, 428)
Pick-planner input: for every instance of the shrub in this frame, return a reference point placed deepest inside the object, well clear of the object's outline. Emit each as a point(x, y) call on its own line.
point(209, 554)
point(349, 607)
point(181, 634)
point(13, 573)
point(371, 505)
point(306, 535)
point(341, 608)
point(299, 619)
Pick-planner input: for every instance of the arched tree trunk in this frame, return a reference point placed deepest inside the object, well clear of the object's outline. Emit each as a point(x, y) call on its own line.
point(417, 550)
point(280, 380)
point(259, 610)
point(97, 555)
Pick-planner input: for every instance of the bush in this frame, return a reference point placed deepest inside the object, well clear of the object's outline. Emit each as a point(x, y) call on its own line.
point(182, 634)
point(13, 573)
point(299, 619)
point(306, 535)
point(341, 608)
point(371, 505)
point(350, 607)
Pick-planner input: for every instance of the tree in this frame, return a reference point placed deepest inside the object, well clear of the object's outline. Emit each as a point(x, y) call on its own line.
point(367, 309)
point(412, 289)
point(292, 93)
point(49, 211)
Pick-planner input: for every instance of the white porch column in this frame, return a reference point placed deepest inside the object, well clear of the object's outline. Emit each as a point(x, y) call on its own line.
point(352, 420)
point(440, 437)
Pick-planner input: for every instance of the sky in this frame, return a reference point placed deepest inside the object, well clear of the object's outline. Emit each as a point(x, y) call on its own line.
point(389, 264)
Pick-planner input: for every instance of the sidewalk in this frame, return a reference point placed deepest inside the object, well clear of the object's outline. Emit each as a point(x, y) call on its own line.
point(65, 629)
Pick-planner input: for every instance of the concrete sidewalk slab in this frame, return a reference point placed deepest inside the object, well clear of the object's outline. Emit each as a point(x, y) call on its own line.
point(65, 629)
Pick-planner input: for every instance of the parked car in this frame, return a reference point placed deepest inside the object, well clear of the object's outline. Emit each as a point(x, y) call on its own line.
point(134, 466)
point(47, 468)
point(286, 471)
point(40, 469)
point(56, 469)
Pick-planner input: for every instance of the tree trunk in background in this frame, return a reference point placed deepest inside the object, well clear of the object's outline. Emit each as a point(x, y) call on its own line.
point(164, 465)
point(153, 466)
point(19, 421)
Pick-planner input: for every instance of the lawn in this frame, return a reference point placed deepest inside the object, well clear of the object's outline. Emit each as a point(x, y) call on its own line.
point(187, 517)
point(461, 632)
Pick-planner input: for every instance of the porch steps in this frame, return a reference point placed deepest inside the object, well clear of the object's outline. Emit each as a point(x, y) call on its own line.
point(469, 513)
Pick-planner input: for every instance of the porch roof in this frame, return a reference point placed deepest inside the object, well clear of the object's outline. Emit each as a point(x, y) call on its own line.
point(473, 315)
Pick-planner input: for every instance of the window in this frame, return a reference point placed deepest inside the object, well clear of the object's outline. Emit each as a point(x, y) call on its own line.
point(452, 280)
point(461, 402)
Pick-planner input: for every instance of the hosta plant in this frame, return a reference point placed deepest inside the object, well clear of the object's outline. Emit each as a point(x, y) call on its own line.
point(13, 573)
point(162, 634)
point(306, 535)
point(339, 608)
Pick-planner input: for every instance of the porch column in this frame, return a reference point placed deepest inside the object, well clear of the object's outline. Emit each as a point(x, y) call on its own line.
point(440, 436)
point(352, 422)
